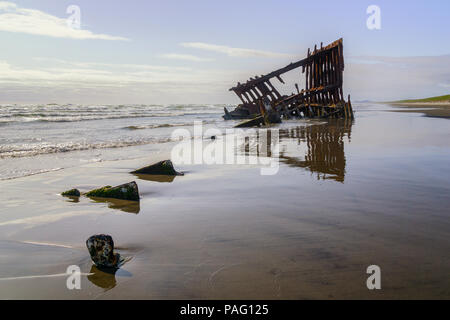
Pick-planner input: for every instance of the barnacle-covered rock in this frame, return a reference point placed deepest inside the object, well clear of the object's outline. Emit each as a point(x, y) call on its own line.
point(127, 191)
point(101, 249)
point(160, 168)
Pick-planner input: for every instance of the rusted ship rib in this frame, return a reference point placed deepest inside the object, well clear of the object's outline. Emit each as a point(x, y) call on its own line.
point(322, 96)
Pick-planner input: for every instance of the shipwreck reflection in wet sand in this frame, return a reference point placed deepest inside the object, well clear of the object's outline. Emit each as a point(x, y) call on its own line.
point(325, 153)
point(321, 144)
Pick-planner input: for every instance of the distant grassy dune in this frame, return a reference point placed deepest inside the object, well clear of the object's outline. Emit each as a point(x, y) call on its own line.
point(436, 107)
point(445, 98)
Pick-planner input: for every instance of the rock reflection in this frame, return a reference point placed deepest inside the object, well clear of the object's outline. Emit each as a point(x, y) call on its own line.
point(122, 205)
point(72, 199)
point(105, 278)
point(155, 178)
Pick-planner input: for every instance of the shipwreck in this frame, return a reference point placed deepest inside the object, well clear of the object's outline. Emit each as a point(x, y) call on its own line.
point(322, 96)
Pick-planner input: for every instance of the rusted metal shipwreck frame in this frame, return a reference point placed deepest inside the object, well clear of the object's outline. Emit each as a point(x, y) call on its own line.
point(322, 96)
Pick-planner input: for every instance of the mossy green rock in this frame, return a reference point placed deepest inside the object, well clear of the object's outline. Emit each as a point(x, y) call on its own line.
point(128, 191)
point(71, 193)
point(160, 168)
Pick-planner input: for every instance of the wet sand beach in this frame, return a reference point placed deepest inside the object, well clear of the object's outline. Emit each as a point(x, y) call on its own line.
point(429, 109)
point(346, 196)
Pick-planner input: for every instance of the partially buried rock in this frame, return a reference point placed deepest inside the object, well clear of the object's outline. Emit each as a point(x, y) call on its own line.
point(127, 191)
point(71, 193)
point(101, 249)
point(160, 168)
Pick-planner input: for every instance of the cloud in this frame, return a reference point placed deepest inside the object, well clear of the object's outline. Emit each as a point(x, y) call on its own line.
point(234, 52)
point(31, 21)
point(7, 5)
point(390, 78)
point(365, 78)
point(91, 82)
point(186, 57)
point(63, 73)
point(111, 66)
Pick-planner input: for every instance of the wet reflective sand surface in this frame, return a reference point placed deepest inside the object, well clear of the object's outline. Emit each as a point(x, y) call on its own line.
point(346, 196)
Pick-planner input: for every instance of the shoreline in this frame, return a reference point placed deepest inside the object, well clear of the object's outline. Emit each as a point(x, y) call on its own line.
point(436, 109)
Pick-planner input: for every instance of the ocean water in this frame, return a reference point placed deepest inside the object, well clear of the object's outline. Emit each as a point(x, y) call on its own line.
point(41, 138)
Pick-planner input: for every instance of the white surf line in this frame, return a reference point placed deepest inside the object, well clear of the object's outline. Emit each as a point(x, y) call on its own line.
point(44, 276)
point(48, 244)
point(30, 174)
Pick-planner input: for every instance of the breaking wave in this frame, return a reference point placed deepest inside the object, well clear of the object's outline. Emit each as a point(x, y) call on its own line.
point(33, 150)
point(162, 125)
point(74, 113)
point(37, 138)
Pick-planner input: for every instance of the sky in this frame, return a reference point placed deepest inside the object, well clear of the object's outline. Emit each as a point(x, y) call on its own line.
point(166, 52)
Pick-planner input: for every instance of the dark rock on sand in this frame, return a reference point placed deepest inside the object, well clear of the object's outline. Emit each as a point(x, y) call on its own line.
point(127, 191)
point(101, 249)
point(160, 168)
point(71, 193)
